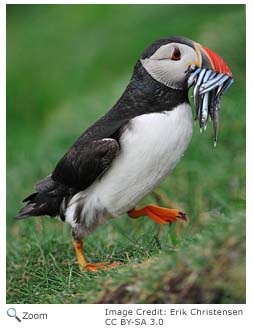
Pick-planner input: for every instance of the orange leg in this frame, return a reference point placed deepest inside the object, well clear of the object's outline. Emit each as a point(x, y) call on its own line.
point(84, 265)
point(158, 214)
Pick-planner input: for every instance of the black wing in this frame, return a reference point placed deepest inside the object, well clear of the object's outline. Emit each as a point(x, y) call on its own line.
point(85, 162)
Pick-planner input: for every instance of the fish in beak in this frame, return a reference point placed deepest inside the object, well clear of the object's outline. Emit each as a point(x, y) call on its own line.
point(211, 78)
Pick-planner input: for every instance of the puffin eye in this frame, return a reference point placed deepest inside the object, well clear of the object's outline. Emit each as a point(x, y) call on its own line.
point(176, 54)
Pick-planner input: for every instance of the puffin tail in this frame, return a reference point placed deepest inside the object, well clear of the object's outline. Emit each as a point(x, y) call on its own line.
point(39, 204)
point(28, 209)
point(46, 200)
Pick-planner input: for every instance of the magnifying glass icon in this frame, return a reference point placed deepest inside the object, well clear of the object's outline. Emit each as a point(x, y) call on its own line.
point(11, 312)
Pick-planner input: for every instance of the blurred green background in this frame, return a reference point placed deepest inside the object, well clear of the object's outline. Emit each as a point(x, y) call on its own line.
point(66, 66)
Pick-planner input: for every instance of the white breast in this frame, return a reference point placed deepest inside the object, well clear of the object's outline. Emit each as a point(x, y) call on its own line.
point(150, 148)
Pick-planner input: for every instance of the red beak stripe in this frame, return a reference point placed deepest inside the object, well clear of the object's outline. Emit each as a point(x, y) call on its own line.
point(217, 62)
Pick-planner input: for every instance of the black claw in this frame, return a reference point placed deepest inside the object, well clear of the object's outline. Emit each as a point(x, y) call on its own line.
point(183, 216)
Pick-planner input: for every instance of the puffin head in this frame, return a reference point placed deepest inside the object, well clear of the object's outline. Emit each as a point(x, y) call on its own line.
point(168, 61)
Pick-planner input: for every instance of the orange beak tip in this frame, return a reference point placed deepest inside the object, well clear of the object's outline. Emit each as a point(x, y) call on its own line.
point(218, 64)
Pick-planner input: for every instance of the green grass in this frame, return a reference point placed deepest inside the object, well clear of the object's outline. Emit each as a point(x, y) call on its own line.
point(67, 65)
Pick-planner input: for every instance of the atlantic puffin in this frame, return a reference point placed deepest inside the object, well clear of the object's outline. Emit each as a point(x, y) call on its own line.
point(130, 150)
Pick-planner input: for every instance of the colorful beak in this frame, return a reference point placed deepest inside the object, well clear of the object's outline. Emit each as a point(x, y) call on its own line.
point(210, 60)
point(217, 63)
point(211, 78)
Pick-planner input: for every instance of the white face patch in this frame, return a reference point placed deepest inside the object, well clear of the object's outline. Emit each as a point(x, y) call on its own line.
point(164, 69)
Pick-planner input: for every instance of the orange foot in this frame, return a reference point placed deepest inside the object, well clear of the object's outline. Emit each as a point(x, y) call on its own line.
point(158, 214)
point(84, 265)
point(101, 266)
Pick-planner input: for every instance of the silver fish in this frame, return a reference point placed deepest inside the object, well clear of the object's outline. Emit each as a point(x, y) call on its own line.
point(209, 87)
